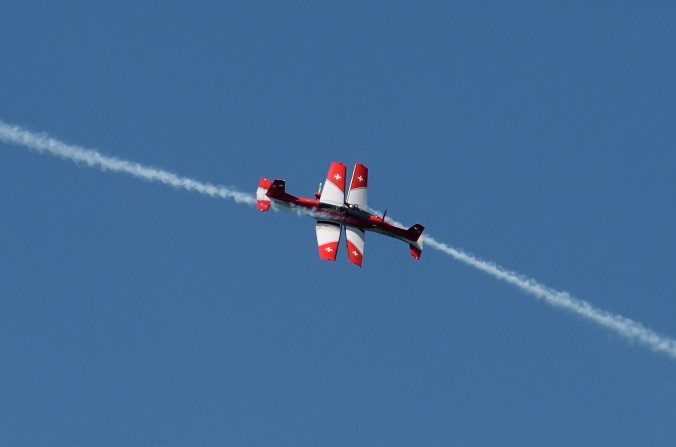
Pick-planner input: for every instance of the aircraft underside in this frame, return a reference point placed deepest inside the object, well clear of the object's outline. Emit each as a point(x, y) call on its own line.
point(333, 211)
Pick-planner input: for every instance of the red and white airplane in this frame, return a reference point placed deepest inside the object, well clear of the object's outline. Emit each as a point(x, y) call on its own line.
point(332, 211)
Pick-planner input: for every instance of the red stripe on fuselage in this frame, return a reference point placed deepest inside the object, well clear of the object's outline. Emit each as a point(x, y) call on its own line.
point(341, 215)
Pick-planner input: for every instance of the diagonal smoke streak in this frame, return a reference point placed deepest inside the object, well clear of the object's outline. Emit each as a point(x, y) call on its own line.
point(43, 143)
point(627, 328)
point(630, 329)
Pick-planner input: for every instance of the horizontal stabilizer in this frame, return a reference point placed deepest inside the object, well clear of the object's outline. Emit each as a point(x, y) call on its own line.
point(414, 234)
point(262, 200)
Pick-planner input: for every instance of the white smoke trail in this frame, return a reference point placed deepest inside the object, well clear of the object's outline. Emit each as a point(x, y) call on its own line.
point(44, 143)
point(630, 329)
point(625, 327)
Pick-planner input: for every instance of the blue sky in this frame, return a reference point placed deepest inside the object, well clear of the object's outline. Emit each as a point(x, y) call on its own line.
point(538, 135)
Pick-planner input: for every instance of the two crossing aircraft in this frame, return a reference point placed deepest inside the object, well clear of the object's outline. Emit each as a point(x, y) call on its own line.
point(332, 211)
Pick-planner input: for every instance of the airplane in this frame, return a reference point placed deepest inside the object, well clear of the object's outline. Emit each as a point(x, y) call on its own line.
point(333, 211)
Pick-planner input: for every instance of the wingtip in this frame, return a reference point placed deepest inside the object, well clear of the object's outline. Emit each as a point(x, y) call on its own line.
point(328, 251)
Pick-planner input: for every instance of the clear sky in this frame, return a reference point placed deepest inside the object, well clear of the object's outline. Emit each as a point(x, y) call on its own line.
point(537, 134)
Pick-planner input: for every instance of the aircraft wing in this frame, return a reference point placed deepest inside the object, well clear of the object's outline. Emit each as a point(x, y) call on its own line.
point(358, 185)
point(333, 192)
point(355, 244)
point(328, 236)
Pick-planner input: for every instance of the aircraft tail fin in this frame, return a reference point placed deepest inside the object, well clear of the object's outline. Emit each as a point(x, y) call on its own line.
point(415, 234)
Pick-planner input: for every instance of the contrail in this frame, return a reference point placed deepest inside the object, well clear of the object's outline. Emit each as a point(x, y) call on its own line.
point(44, 143)
point(629, 329)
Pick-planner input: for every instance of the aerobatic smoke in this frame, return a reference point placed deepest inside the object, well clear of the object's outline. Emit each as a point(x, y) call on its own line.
point(94, 159)
point(630, 329)
point(626, 327)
